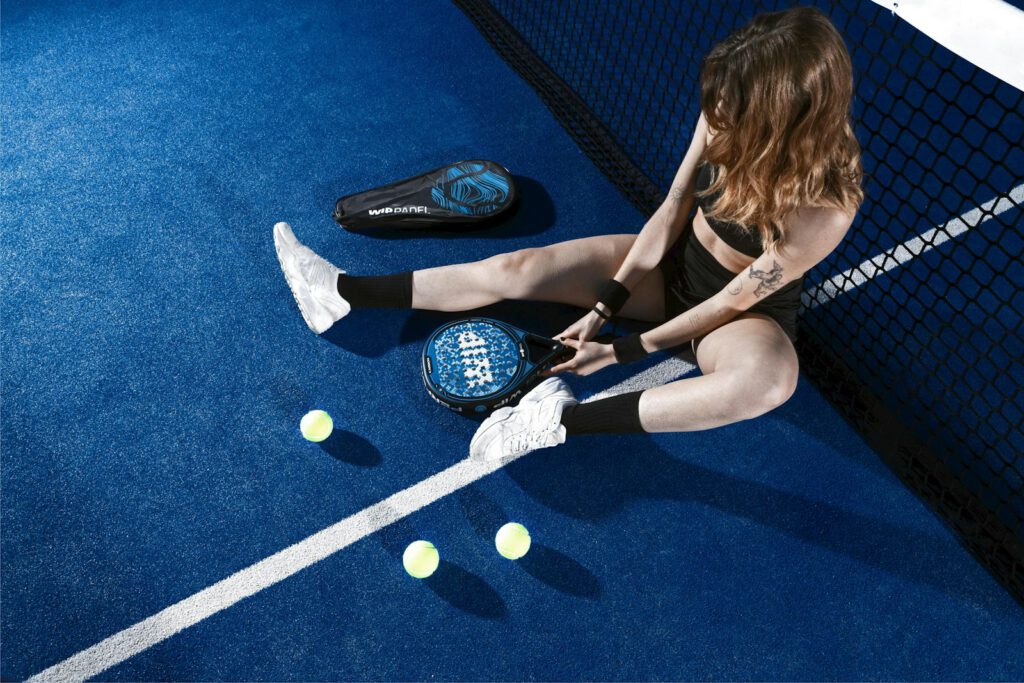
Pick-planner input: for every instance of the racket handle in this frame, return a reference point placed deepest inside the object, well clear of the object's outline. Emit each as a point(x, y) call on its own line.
point(562, 354)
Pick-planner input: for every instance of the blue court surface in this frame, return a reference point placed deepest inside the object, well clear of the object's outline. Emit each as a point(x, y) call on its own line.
point(155, 368)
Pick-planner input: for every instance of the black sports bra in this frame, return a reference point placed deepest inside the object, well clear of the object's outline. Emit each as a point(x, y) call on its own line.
point(735, 235)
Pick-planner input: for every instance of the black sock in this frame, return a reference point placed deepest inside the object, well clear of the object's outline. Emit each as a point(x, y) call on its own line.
point(377, 291)
point(613, 414)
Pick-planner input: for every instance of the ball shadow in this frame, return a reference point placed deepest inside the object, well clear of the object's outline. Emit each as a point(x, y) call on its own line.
point(547, 565)
point(561, 572)
point(452, 583)
point(349, 447)
point(466, 591)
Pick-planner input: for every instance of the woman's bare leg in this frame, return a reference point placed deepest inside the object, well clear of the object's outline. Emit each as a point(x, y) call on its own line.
point(749, 367)
point(571, 272)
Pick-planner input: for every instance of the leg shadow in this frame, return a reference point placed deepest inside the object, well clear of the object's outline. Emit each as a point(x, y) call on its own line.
point(545, 564)
point(822, 429)
point(539, 317)
point(289, 396)
point(369, 333)
point(484, 515)
point(592, 477)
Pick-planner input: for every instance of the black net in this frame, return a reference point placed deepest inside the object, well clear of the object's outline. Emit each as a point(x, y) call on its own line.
point(912, 327)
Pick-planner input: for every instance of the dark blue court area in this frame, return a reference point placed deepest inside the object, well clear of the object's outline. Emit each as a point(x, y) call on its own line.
point(155, 369)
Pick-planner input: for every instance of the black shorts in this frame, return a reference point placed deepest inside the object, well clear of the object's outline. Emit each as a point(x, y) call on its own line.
point(692, 275)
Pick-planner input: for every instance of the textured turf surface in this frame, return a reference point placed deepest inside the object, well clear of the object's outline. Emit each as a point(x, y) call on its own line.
point(155, 369)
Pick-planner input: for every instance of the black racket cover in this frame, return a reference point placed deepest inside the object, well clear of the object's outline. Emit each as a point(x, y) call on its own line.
point(461, 195)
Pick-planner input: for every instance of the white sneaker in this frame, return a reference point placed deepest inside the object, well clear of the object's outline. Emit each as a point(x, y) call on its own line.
point(312, 279)
point(534, 423)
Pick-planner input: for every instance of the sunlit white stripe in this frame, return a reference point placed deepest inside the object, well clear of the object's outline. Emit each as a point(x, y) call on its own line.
point(912, 248)
point(986, 33)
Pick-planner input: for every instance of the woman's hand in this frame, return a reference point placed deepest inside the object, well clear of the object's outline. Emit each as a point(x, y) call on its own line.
point(583, 329)
point(590, 357)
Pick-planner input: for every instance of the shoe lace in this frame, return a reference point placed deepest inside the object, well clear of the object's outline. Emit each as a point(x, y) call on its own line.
point(527, 440)
point(319, 275)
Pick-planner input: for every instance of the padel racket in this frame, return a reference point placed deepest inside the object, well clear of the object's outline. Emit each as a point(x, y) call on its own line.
point(479, 364)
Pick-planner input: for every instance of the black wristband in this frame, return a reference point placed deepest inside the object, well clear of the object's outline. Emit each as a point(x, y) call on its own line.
point(629, 349)
point(613, 296)
point(601, 313)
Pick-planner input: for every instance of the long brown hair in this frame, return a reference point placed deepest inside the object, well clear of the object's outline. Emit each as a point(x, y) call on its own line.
point(777, 94)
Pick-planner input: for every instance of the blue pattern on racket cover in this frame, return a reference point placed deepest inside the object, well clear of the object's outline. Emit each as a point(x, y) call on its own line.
point(471, 189)
point(480, 364)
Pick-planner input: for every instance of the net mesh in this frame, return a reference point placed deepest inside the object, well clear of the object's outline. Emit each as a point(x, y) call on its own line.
point(912, 327)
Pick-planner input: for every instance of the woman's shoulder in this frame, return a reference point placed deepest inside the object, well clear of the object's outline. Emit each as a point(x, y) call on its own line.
point(827, 223)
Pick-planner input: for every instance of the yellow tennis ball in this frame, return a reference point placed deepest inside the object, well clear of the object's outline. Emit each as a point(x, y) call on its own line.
point(420, 559)
point(316, 425)
point(512, 541)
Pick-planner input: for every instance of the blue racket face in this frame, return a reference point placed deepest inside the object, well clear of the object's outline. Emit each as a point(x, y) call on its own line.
point(474, 359)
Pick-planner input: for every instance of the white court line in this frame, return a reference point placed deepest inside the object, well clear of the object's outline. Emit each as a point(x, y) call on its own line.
point(278, 567)
point(912, 248)
point(255, 578)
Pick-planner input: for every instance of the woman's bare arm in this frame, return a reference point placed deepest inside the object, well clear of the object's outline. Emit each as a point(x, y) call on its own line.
point(668, 222)
point(812, 234)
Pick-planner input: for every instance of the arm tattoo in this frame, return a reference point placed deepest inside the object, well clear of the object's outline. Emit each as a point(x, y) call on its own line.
point(769, 281)
point(678, 194)
point(736, 288)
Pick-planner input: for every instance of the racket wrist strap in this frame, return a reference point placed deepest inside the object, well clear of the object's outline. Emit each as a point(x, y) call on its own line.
point(628, 349)
point(613, 295)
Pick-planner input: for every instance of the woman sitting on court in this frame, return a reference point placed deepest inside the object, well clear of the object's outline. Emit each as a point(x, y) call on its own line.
point(775, 171)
